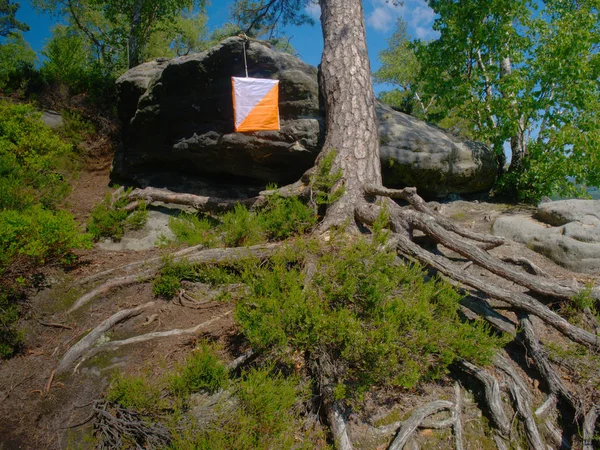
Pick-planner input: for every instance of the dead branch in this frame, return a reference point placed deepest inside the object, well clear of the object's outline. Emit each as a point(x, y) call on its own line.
point(410, 425)
point(87, 342)
point(338, 426)
point(199, 202)
point(54, 325)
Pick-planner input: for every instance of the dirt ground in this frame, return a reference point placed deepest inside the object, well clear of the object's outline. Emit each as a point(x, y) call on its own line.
point(42, 411)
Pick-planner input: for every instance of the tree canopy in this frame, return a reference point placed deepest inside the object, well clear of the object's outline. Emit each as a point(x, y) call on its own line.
point(516, 72)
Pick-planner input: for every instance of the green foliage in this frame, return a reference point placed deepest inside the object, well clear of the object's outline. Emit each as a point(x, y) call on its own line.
point(202, 371)
point(75, 127)
point(110, 219)
point(376, 321)
point(265, 418)
point(11, 339)
point(8, 22)
point(168, 281)
point(33, 166)
point(324, 181)
point(240, 228)
point(280, 218)
point(17, 61)
point(134, 392)
point(192, 229)
point(497, 74)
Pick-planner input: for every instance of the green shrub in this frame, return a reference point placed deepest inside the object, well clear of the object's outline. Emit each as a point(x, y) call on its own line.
point(11, 339)
point(280, 218)
point(168, 281)
point(378, 321)
point(266, 417)
point(134, 392)
point(34, 164)
point(166, 286)
point(192, 229)
point(202, 371)
point(109, 220)
point(240, 228)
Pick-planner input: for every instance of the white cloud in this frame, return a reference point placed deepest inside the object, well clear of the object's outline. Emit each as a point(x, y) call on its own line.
point(383, 16)
point(313, 10)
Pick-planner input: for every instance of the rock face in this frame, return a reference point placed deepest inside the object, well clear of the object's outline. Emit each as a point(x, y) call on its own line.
point(178, 115)
point(568, 232)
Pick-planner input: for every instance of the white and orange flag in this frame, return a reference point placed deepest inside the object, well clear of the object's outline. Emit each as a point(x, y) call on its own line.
point(255, 104)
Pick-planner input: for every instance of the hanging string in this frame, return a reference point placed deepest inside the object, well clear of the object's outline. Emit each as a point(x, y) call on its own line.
point(245, 60)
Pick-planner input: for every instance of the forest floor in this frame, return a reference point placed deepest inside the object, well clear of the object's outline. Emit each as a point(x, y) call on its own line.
point(43, 411)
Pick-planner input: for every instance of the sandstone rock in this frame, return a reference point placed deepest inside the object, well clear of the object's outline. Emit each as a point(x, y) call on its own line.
point(574, 243)
point(564, 211)
point(178, 116)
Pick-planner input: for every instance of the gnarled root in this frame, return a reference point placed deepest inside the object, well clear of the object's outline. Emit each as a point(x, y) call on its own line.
point(199, 256)
point(114, 424)
point(114, 345)
point(589, 425)
point(410, 425)
point(86, 343)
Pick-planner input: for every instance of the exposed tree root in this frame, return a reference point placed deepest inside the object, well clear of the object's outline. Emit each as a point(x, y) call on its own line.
point(540, 358)
point(478, 307)
point(589, 425)
point(82, 347)
point(115, 426)
point(522, 401)
point(457, 413)
point(198, 256)
point(114, 345)
point(410, 425)
point(514, 298)
point(520, 261)
point(410, 195)
point(492, 397)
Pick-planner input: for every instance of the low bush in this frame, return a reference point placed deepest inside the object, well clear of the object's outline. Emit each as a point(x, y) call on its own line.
point(134, 392)
point(202, 371)
point(34, 167)
point(110, 220)
point(280, 218)
point(378, 322)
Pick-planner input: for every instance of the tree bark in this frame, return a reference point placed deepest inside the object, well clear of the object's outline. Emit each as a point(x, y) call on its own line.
point(352, 129)
point(517, 141)
point(133, 46)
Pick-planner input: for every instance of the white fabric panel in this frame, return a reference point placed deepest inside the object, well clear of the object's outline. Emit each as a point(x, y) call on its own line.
point(248, 92)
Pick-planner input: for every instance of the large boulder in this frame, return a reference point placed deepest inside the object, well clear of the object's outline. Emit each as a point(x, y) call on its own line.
point(178, 116)
point(566, 231)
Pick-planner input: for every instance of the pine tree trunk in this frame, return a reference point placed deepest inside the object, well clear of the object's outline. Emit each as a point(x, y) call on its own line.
point(134, 49)
point(352, 128)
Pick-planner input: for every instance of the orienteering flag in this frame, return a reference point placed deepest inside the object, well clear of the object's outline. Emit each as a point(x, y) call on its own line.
point(255, 104)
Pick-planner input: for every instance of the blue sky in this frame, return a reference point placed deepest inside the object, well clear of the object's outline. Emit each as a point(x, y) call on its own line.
point(380, 18)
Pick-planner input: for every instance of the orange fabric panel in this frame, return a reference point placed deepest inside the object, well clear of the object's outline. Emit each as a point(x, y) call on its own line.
point(265, 115)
